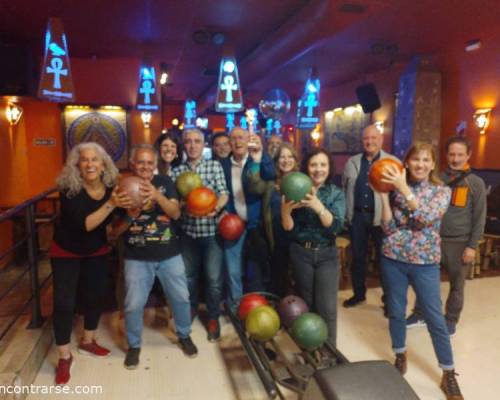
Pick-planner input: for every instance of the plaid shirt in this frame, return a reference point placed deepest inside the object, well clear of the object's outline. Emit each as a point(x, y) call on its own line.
point(212, 175)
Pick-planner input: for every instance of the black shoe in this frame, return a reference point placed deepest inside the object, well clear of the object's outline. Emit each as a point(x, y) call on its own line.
point(213, 329)
point(188, 347)
point(132, 358)
point(401, 363)
point(354, 301)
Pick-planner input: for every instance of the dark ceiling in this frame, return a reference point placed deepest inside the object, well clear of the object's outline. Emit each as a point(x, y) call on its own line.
point(275, 41)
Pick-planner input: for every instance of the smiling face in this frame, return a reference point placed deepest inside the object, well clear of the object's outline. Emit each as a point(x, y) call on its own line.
point(193, 144)
point(221, 147)
point(420, 165)
point(286, 161)
point(168, 151)
point(144, 163)
point(318, 169)
point(90, 165)
point(239, 142)
point(457, 156)
point(372, 141)
point(273, 144)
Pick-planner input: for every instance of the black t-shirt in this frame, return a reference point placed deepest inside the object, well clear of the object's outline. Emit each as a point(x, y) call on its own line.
point(152, 236)
point(70, 233)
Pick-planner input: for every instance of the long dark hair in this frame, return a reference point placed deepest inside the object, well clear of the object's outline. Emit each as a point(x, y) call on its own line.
point(162, 165)
point(331, 164)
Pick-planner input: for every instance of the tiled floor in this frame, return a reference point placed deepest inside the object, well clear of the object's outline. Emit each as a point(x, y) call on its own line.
point(221, 371)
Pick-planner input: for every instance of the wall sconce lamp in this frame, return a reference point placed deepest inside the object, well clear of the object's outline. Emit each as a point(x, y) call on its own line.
point(482, 119)
point(146, 119)
point(316, 134)
point(13, 113)
point(164, 67)
point(380, 125)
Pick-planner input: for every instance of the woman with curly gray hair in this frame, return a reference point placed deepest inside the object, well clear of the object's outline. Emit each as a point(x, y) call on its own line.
point(80, 248)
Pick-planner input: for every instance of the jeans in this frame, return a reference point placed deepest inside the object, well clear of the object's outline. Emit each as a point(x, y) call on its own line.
point(233, 254)
point(361, 229)
point(204, 254)
point(256, 260)
point(316, 273)
point(424, 278)
point(139, 279)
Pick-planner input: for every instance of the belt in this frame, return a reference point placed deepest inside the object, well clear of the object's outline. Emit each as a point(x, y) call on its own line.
point(314, 245)
point(364, 209)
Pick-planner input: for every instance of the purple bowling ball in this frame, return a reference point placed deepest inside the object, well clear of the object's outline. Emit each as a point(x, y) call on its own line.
point(290, 308)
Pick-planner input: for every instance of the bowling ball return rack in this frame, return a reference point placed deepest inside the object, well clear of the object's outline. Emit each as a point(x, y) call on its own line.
point(315, 374)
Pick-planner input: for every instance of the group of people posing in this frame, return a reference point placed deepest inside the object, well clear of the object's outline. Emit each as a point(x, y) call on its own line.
point(282, 238)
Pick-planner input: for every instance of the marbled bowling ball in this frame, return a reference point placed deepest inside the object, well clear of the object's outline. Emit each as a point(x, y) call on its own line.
point(132, 186)
point(376, 171)
point(290, 308)
point(309, 331)
point(201, 201)
point(231, 227)
point(262, 323)
point(295, 186)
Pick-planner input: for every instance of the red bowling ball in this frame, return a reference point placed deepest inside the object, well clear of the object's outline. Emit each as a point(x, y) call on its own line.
point(376, 171)
point(231, 227)
point(132, 186)
point(249, 302)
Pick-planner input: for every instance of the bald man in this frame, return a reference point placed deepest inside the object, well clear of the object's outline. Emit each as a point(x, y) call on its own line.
point(363, 209)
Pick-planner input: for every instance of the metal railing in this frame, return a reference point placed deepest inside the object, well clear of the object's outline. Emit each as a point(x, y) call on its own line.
point(32, 221)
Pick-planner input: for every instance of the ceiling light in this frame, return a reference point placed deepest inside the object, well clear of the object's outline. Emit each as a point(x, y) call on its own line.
point(473, 45)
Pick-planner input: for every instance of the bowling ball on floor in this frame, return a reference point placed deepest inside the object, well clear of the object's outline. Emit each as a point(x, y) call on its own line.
point(290, 308)
point(231, 227)
point(201, 201)
point(186, 182)
point(376, 171)
point(262, 323)
point(249, 302)
point(132, 186)
point(309, 331)
point(295, 186)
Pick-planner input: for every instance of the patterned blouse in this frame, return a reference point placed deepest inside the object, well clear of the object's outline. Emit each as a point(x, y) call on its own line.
point(413, 237)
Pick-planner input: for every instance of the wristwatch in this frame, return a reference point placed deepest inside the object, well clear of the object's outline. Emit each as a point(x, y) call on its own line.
point(410, 197)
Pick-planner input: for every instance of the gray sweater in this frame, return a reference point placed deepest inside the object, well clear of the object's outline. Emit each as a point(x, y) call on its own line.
point(466, 224)
point(351, 172)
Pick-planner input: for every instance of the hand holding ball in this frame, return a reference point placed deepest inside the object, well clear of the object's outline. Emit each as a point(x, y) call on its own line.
point(131, 185)
point(375, 175)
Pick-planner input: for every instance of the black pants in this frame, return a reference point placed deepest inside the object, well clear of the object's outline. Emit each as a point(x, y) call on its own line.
point(280, 259)
point(66, 273)
point(361, 229)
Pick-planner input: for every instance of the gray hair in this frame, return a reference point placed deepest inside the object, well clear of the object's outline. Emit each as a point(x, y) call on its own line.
point(142, 147)
point(70, 179)
point(192, 130)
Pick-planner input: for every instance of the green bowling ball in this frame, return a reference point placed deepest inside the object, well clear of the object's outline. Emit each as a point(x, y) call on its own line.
point(295, 186)
point(309, 331)
point(262, 323)
point(186, 182)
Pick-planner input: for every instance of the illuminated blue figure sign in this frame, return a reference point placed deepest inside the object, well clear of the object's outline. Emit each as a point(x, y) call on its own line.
point(277, 127)
point(146, 95)
point(190, 114)
point(55, 78)
point(269, 127)
point(229, 121)
point(243, 122)
point(308, 108)
point(229, 98)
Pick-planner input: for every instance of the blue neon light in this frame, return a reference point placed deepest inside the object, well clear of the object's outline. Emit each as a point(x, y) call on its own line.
point(229, 66)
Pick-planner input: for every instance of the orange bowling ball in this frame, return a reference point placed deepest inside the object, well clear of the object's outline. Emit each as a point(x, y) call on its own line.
point(201, 201)
point(132, 186)
point(376, 171)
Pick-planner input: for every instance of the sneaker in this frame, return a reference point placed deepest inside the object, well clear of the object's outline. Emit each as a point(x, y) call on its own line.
point(449, 386)
point(452, 328)
point(414, 321)
point(213, 329)
point(401, 363)
point(93, 349)
point(188, 347)
point(354, 301)
point(132, 358)
point(63, 370)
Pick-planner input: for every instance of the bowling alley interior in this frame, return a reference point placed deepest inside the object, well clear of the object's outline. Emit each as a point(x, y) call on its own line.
point(313, 75)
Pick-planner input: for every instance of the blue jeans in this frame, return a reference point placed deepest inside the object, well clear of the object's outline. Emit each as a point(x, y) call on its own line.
point(204, 254)
point(139, 279)
point(425, 280)
point(233, 254)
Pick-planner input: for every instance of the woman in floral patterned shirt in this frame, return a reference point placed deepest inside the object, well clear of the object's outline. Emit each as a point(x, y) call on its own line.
point(411, 218)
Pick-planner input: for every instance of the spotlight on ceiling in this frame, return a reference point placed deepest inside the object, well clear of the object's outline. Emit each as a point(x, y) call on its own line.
point(218, 38)
point(472, 45)
point(163, 73)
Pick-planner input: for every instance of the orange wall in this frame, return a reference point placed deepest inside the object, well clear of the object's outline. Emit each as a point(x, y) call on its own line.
point(472, 81)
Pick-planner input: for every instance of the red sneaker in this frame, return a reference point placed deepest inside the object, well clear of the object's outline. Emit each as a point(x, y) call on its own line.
point(93, 349)
point(63, 370)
